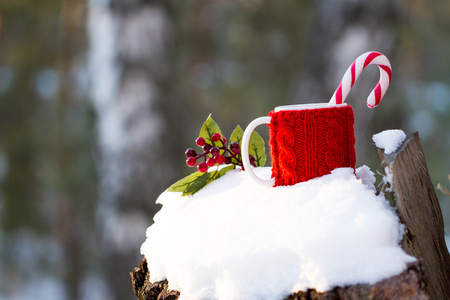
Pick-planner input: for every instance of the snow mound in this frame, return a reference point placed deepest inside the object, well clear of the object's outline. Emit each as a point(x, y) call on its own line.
point(236, 239)
point(389, 140)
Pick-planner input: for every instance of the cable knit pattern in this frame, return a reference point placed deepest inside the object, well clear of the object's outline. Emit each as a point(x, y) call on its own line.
point(309, 143)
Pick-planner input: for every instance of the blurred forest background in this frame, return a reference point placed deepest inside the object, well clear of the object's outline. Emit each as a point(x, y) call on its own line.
point(100, 98)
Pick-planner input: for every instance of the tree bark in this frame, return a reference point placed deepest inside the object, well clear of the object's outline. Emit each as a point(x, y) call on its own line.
point(145, 290)
point(410, 284)
point(418, 208)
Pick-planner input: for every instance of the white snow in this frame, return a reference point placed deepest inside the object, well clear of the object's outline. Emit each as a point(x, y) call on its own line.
point(235, 239)
point(389, 140)
point(366, 176)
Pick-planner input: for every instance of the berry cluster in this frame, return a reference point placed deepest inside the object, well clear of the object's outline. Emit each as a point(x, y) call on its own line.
point(213, 155)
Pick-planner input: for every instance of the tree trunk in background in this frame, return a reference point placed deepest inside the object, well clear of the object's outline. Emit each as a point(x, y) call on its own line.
point(68, 221)
point(340, 32)
point(131, 43)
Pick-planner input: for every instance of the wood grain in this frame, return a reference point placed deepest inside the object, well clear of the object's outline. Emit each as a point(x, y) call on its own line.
point(418, 208)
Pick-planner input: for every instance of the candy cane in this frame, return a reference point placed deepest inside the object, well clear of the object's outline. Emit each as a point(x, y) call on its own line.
point(355, 70)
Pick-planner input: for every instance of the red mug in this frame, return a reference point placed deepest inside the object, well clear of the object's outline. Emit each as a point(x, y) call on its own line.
point(306, 141)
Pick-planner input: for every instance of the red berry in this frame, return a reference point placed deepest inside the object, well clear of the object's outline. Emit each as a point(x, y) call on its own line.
point(200, 141)
point(210, 162)
point(202, 167)
point(191, 161)
point(190, 153)
point(227, 160)
point(206, 148)
point(216, 137)
point(252, 160)
point(224, 140)
point(235, 148)
point(214, 151)
point(220, 159)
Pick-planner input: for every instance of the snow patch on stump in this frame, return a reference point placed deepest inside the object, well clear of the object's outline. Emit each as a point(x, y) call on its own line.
point(389, 140)
point(235, 239)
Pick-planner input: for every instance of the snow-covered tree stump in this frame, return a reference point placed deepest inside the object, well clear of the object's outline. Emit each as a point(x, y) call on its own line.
point(418, 209)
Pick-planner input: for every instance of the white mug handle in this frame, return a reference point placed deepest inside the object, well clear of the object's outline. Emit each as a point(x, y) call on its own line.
point(244, 150)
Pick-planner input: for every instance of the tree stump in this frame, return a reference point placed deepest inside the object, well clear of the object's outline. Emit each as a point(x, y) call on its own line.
point(418, 209)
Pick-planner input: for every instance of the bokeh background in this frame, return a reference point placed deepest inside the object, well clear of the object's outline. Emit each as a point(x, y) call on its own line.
point(100, 98)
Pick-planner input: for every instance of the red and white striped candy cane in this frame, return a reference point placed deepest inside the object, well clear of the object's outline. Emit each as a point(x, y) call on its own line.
point(368, 58)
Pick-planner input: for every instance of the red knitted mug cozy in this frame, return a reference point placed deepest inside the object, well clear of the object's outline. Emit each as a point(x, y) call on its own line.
point(310, 143)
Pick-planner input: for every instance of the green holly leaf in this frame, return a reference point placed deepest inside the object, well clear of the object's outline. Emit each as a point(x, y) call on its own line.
point(196, 181)
point(257, 149)
point(236, 135)
point(183, 184)
point(208, 129)
point(222, 171)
